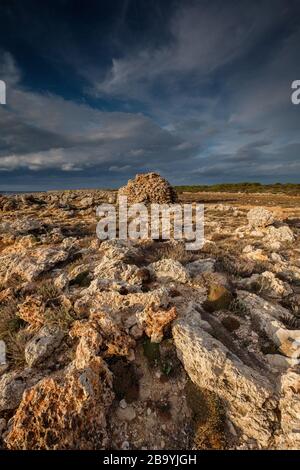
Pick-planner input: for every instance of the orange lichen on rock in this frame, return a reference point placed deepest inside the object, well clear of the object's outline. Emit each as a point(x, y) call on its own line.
point(154, 321)
point(149, 187)
point(65, 411)
point(32, 311)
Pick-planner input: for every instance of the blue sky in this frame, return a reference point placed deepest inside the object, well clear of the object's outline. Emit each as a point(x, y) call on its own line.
point(98, 91)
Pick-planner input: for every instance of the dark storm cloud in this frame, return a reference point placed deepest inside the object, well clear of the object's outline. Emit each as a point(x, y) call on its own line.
point(198, 90)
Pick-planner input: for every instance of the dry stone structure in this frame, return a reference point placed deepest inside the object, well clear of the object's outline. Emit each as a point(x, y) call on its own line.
point(148, 188)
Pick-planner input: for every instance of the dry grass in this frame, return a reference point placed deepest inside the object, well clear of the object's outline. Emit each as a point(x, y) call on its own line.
point(208, 418)
point(13, 333)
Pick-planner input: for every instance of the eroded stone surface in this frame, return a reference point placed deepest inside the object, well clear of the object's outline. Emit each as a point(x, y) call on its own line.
point(129, 309)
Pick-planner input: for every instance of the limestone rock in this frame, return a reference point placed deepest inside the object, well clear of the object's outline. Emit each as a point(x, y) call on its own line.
point(281, 234)
point(12, 386)
point(289, 406)
point(260, 217)
point(268, 319)
point(41, 260)
point(32, 310)
point(65, 411)
point(201, 266)
point(116, 270)
point(281, 363)
point(155, 320)
point(249, 398)
point(43, 344)
point(267, 284)
point(126, 414)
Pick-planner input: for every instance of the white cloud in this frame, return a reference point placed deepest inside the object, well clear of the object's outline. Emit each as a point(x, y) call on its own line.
point(71, 136)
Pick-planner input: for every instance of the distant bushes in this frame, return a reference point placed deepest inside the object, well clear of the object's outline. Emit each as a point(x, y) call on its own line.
point(288, 188)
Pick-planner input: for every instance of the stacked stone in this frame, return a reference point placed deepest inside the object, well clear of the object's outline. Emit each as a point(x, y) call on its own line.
point(149, 188)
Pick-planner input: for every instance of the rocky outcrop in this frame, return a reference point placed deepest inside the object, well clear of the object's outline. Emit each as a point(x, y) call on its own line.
point(12, 386)
point(43, 344)
point(169, 270)
point(65, 411)
point(247, 395)
point(269, 320)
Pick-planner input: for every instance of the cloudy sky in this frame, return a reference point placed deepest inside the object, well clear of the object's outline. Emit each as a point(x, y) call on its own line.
point(98, 91)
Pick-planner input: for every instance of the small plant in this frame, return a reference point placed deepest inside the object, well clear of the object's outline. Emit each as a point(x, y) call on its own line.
point(61, 316)
point(151, 352)
point(15, 347)
point(47, 291)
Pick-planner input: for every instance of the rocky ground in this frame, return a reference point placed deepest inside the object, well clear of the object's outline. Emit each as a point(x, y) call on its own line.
point(141, 344)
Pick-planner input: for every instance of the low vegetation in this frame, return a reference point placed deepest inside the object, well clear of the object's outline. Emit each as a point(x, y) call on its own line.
point(287, 188)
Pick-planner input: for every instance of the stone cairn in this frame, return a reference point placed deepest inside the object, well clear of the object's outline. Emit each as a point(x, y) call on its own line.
point(149, 188)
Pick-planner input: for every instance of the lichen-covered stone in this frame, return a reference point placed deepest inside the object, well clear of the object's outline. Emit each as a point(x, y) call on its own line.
point(64, 411)
point(155, 320)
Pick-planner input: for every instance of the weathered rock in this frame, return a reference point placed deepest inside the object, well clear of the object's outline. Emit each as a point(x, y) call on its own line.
point(39, 261)
point(90, 341)
point(267, 284)
point(102, 330)
point(126, 414)
point(293, 302)
point(43, 344)
point(218, 298)
point(116, 270)
point(148, 188)
point(281, 363)
point(12, 386)
point(260, 217)
point(65, 411)
point(119, 250)
point(268, 319)
point(32, 310)
point(255, 254)
point(281, 234)
point(2, 354)
point(155, 320)
point(201, 266)
point(289, 406)
point(248, 397)
point(21, 226)
point(272, 286)
point(169, 270)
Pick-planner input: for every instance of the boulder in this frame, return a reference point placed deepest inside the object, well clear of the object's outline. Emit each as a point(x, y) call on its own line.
point(169, 270)
point(248, 397)
point(260, 217)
